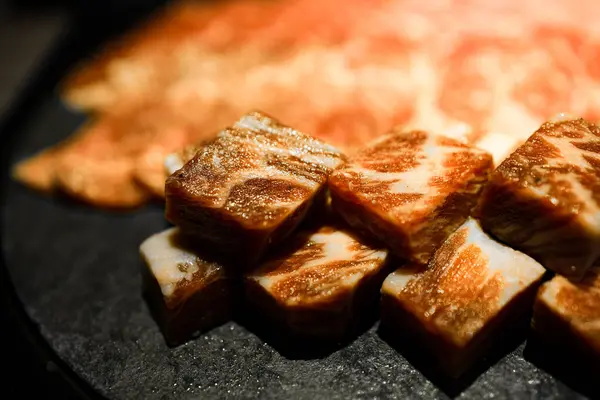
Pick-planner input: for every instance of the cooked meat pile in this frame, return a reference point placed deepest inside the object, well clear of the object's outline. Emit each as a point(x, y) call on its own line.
point(344, 72)
point(458, 288)
point(247, 197)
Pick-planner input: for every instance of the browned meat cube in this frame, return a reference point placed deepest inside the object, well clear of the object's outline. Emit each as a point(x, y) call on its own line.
point(250, 187)
point(473, 290)
point(187, 292)
point(323, 287)
point(411, 190)
point(567, 316)
point(544, 199)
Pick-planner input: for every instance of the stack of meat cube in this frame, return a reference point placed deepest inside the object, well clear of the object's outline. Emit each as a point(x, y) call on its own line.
point(312, 238)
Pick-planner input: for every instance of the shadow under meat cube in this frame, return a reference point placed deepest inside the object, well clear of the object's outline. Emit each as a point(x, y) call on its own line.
point(410, 190)
point(474, 291)
point(187, 292)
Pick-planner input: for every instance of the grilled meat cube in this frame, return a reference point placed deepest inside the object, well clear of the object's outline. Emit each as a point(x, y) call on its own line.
point(322, 286)
point(250, 187)
point(567, 316)
point(410, 190)
point(188, 291)
point(544, 199)
point(473, 290)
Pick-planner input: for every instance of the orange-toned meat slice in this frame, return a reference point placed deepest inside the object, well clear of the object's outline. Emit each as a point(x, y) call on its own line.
point(138, 63)
point(37, 171)
point(97, 168)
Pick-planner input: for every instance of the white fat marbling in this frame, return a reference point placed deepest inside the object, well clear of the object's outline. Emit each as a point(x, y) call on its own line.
point(169, 262)
point(517, 269)
point(337, 246)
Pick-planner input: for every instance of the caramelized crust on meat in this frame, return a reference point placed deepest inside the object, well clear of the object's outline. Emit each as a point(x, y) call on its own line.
point(251, 186)
point(187, 289)
point(567, 316)
point(410, 190)
point(545, 198)
point(321, 284)
point(466, 296)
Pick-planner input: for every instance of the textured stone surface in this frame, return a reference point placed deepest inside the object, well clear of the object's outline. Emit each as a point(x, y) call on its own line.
point(77, 271)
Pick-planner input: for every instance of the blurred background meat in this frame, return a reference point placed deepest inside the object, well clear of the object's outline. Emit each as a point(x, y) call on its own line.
point(344, 71)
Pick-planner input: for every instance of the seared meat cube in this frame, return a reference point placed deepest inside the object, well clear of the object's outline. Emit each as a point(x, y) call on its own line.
point(410, 190)
point(323, 285)
point(187, 291)
point(473, 290)
point(544, 199)
point(567, 316)
point(250, 187)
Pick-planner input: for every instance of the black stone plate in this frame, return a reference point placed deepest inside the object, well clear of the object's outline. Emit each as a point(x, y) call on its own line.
point(75, 270)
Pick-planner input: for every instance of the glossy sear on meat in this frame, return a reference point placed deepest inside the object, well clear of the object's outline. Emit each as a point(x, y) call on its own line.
point(250, 187)
point(472, 292)
point(323, 285)
point(545, 198)
point(410, 190)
